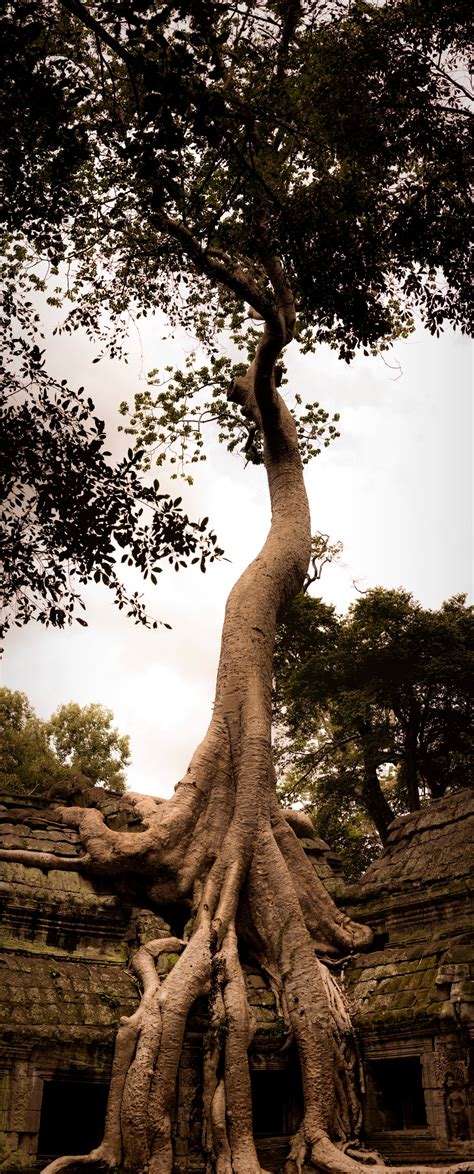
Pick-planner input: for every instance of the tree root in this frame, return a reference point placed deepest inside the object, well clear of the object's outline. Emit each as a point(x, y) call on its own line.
point(97, 1160)
point(138, 1128)
point(323, 1156)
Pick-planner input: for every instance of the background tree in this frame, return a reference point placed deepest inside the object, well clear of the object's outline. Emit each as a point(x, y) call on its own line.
point(375, 708)
point(202, 159)
point(27, 762)
point(85, 740)
point(77, 747)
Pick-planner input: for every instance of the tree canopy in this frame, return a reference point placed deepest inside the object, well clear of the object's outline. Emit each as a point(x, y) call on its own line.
point(163, 158)
point(78, 747)
point(27, 762)
point(147, 147)
point(375, 710)
point(85, 740)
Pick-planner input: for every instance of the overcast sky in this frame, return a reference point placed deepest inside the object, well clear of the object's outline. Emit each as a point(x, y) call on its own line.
point(396, 489)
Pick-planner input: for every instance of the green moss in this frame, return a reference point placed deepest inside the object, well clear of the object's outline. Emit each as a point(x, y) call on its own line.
point(261, 998)
point(166, 963)
point(461, 952)
point(110, 998)
point(116, 951)
point(11, 1161)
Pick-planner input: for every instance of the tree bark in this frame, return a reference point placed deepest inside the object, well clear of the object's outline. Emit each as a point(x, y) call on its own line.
point(410, 724)
point(377, 806)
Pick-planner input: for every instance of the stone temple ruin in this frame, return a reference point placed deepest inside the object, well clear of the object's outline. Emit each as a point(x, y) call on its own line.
point(64, 985)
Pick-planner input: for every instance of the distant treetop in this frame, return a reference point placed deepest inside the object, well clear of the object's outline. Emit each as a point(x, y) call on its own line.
point(78, 748)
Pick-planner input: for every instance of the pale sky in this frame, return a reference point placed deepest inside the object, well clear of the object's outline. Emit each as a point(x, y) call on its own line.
point(396, 489)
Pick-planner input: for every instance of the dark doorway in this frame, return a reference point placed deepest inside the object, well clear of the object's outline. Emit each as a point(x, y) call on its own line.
point(399, 1101)
point(269, 1103)
point(72, 1117)
point(276, 1101)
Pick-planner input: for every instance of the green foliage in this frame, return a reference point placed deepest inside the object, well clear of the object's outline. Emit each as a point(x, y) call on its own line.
point(67, 510)
point(419, 665)
point(78, 744)
point(351, 834)
point(27, 763)
point(169, 424)
point(158, 152)
point(85, 740)
point(374, 709)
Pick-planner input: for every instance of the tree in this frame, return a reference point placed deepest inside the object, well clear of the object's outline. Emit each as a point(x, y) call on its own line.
point(27, 763)
point(202, 158)
point(330, 739)
point(86, 741)
point(376, 706)
point(321, 774)
point(78, 747)
point(419, 664)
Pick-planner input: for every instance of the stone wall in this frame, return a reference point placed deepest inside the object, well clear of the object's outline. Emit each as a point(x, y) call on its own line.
point(64, 983)
point(412, 996)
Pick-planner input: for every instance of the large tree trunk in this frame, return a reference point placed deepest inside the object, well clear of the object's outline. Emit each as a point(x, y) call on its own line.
point(223, 849)
point(375, 802)
point(410, 724)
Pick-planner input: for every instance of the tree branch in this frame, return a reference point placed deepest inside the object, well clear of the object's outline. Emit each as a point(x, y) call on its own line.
point(218, 266)
point(292, 15)
point(76, 8)
point(458, 85)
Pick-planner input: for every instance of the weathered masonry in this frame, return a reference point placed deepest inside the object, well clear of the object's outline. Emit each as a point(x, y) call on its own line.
point(65, 984)
point(412, 995)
